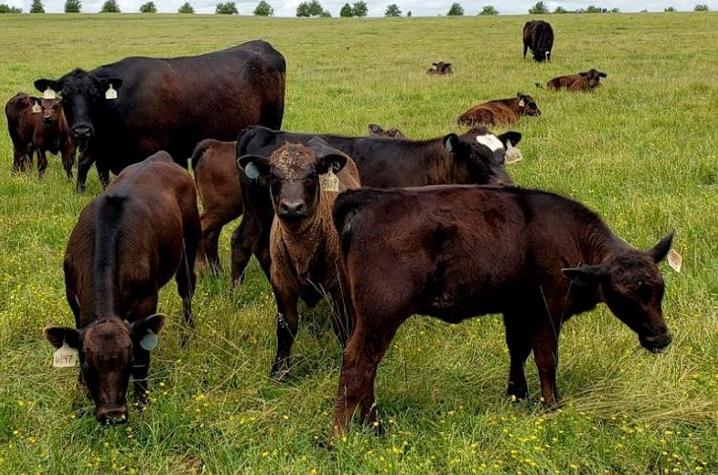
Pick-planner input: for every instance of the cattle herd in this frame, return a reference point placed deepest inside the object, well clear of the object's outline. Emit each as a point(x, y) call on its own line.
point(385, 226)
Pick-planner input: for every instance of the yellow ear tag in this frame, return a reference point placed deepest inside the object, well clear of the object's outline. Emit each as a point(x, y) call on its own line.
point(329, 181)
point(49, 94)
point(36, 108)
point(675, 261)
point(64, 357)
point(111, 93)
point(513, 155)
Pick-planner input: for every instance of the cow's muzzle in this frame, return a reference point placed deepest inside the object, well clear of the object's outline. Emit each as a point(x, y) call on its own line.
point(82, 132)
point(656, 343)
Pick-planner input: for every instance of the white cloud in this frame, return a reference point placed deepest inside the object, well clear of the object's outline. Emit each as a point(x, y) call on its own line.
point(376, 8)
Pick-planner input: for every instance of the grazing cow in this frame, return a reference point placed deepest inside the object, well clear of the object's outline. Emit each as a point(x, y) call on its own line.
point(439, 69)
point(474, 157)
point(126, 245)
point(500, 111)
point(583, 81)
point(122, 112)
point(378, 131)
point(538, 36)
point(304, 246)
point(454, 252)
point(38, 126)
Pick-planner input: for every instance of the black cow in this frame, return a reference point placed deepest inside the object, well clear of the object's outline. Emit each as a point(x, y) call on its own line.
point(122, 112)
point(538, 36)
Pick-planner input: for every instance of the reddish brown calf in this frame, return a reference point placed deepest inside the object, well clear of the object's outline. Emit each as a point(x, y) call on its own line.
point(500, 111)
point(583, 81)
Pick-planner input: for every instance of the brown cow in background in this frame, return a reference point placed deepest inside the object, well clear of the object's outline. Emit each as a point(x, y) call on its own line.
point(500, 111)
point(583, 81)
point(378, 131)
point(538, 36)
point(439, 69)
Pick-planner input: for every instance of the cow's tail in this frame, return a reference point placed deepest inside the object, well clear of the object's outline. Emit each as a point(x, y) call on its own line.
point(345, 214)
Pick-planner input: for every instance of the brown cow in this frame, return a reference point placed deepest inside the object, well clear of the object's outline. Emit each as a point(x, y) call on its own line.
point(454, 252)
point(439, 69)
point(38, 126)
point(538, 36)
point(304, 246)
point(583, 81)
point(219, 188)
point(126, 245)
point(378, 131)
point(500, 111)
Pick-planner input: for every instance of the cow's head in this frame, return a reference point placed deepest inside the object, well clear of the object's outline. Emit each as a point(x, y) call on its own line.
point(108, 350)
point(81, 94)
point(632, 287)
point(593, 77)
point(526, 105)
point(50, 109)
point(292, 175)
point(483, 153)
point(542, 54)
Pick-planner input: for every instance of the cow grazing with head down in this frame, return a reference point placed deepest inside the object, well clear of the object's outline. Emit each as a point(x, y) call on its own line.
point(38, 126)
point(122, 112)
point(538, 36)
point(474, 157)
point(454, 252)
point(304, 246)
point(127, 244)
point(440, 69)
point(583, 81)
point(500, 111)
point(376, 130)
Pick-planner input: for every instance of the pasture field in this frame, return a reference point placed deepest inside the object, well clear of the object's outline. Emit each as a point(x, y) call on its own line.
point(641, 151)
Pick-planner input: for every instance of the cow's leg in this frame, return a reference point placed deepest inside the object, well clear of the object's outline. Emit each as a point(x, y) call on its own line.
point(287, 324)
point(41, 162)
point(341, 315)
point(519, 343)
point(525, 49)
point(68, 159)
point(103, 172)
point(141, 363)
point(545, 347)
point(211, 230)
point(20, 160)
point(244, 239)
point(83, 167)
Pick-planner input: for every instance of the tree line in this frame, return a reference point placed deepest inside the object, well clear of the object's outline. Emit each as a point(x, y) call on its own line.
point(314, 9)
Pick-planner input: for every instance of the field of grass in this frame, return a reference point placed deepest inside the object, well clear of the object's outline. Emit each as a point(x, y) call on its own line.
point(641, 151)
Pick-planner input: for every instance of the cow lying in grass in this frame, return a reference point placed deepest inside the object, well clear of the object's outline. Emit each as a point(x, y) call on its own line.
point(500, 111)
point(455, 252)
point(583, 81)
point(379, 131)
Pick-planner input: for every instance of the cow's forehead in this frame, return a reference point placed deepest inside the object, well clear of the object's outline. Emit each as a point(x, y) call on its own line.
point(292, 160)
point(490, 141)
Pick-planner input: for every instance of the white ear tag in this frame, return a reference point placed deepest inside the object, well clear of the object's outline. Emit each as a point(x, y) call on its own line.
point(252, 171)
point(111, 93)
point(64, 357)
point(49, 94)
point(675, 261)
point(513, 155)
point(329, 181)
point(522, 103)
point(150, 341)
point(36, 108)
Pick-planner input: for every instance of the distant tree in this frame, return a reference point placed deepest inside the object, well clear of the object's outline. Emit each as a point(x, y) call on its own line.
point(392, 10)
point(669, 9)
point(37, 7)
point(110, 6)
point(264, 9)
point(226, 8)
point(148, 7)
point(595, 9)
point(346, 11)
point(701, 8)
point(310, 9)
point(360, 9)
point(5, 8)
point(644, 11)
point(186, 8)
point(408, 14)
point(539, 8)
point(456, 10)
point(73, 6)
point(559, 10)
point(325, 14)
point(489, 10)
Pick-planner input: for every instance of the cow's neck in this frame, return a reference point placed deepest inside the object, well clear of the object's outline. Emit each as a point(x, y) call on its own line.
point(598, 243)
point(442, 169)
point(305, 240)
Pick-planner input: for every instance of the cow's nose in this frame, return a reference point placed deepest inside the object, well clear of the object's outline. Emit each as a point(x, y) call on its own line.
point(81, 131)
point(292, 209)
point(112, 415)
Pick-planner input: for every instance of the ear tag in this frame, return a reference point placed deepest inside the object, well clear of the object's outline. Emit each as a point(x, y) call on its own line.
point(64, 357)
point(111, 93)
point(150, 341)
point(329, 181)
point(675, 261)
point(252, 171)
point(522, 103)
point(49, 94)
point(513, 155)
point(36, 108)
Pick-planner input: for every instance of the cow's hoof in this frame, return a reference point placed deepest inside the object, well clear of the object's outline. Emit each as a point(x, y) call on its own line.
point(517, 392)
point(280, 373)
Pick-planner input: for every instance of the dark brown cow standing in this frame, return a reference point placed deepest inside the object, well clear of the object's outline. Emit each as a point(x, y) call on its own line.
point(38, 126)
point(304, 246)
point(538, 36)
point(500, 111)
point(127, 244)
point(583, 81)
point(455, 252)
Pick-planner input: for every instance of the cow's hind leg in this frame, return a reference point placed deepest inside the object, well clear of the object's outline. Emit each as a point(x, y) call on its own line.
point(341, 315)
point(244, 239)
point(519, 343)
point(41, 162)
point(186, 282)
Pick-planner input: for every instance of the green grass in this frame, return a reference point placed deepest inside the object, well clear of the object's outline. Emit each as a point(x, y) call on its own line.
point(641, 151)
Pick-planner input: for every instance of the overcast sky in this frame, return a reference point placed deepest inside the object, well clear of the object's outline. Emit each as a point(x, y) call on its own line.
point(376, 8)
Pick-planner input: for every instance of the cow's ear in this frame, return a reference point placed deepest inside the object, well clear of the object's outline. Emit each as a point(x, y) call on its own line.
point(43, 84)
point(451, 143)
point(586, 275)
point(326, 156)
point(145, 331)
point(57, 336)
point(603, 75)
point(254, 166)
point(510, 137)
point(660, 250)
